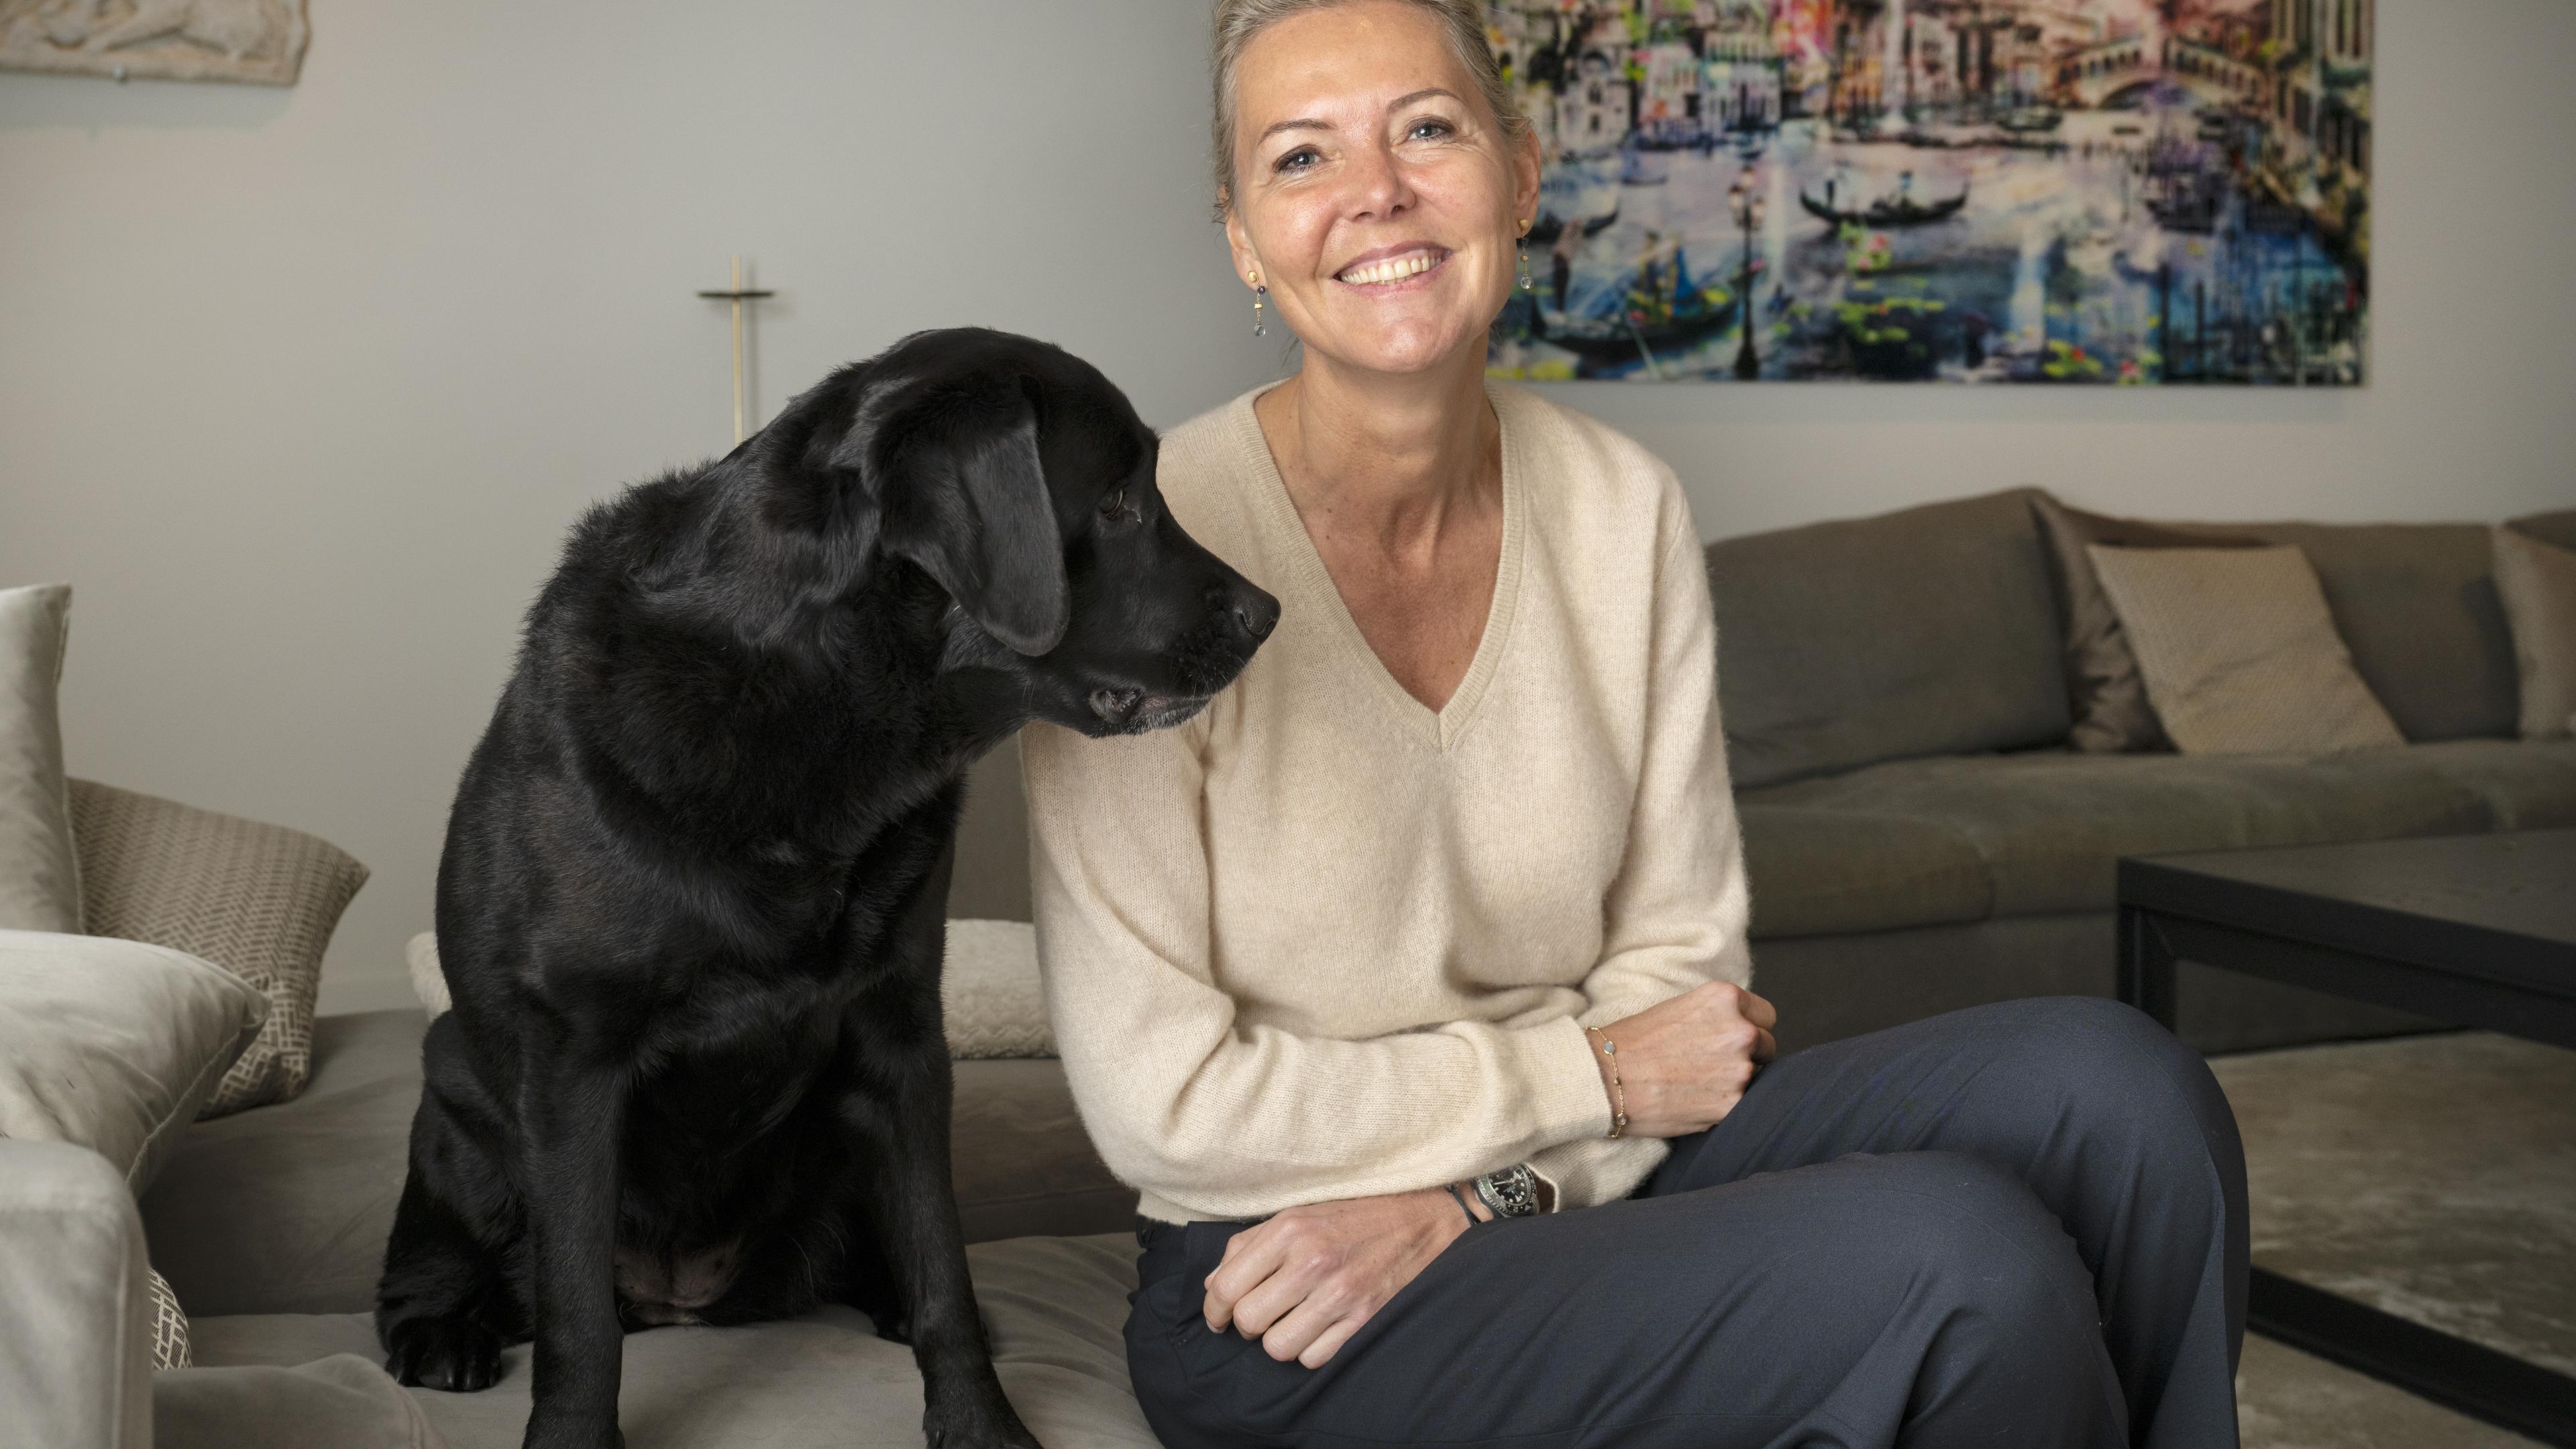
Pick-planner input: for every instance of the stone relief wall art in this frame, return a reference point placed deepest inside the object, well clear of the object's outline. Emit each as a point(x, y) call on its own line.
point(259, 42)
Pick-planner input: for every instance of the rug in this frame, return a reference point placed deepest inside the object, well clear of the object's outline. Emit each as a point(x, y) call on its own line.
point(2433, 1177)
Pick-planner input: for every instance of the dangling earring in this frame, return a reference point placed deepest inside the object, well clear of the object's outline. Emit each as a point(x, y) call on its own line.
point(1523, 244)
point(1258, 292)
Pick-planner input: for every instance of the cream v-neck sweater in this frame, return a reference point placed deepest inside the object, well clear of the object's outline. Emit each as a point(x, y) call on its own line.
point(1323, 942)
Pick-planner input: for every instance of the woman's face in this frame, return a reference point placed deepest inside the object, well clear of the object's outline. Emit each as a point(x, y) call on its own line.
point(1375, 195)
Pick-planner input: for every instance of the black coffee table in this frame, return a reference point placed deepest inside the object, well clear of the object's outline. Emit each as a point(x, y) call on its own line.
point(2474, 929)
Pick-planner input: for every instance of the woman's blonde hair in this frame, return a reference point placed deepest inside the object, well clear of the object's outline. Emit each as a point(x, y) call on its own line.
point(1238, 21)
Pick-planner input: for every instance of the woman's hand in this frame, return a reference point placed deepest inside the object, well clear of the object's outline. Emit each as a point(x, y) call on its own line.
point(1306, 1279)
point(1684, 1063)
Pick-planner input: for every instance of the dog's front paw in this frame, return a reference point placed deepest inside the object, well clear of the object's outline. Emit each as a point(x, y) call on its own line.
point(967, 1422)
point(455, 1354)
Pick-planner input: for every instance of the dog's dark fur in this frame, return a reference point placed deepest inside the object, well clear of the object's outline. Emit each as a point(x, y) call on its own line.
point(690, 906)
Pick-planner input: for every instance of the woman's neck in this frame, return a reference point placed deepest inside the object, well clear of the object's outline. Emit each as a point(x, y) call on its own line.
point(1390, 456)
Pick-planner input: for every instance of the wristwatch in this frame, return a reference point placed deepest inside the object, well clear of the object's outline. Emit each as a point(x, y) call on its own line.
point(1510, 1193)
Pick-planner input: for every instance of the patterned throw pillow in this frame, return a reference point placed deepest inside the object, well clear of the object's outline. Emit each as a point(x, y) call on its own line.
point(169, 1326)
point(2239, 653)
point(258, 900)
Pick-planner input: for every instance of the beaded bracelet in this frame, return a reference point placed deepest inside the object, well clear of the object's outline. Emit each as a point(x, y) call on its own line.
point(1618, 1093)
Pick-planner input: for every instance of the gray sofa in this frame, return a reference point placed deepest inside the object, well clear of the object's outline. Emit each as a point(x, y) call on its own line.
point(1918, 835)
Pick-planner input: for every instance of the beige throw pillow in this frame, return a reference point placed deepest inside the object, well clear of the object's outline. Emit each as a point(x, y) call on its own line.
point(258, 900)
point(2104, 691)
point(113, 1044)
point(2538, 582)
point(39, 869)
point(989, 998)
point(2239, 652)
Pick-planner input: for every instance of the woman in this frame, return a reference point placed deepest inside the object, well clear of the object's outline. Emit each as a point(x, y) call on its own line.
point(1408, 981)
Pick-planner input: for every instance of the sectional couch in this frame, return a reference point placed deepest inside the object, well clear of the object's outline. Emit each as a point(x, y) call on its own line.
point(1919, 836)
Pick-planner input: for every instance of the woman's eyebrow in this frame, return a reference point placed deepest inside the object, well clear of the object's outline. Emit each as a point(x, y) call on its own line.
point(1308, 123)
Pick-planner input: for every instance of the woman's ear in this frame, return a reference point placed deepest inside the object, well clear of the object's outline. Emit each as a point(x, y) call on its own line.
point(1247, 262)
point(1525, 168)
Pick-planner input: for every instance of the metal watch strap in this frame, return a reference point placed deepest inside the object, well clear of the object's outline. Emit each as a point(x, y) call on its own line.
point(1510, 1193)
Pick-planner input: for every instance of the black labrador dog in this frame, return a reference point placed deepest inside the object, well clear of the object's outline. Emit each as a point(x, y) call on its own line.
point(691, 901)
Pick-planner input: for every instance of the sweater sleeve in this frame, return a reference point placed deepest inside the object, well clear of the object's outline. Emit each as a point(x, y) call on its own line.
point(1213, 1115)
point(1677, 913)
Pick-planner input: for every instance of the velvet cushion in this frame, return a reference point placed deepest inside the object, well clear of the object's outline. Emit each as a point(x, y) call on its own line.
point(2538, 582)
point(39, 868)
point(114, 1044)
point(1922, 632)
point(2105, 693)
point(2239, 653)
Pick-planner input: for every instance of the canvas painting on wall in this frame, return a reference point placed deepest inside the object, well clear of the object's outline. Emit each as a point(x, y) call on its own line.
point(2074, 191)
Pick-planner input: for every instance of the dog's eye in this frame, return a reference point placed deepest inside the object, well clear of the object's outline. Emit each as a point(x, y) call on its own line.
point(1116, 509)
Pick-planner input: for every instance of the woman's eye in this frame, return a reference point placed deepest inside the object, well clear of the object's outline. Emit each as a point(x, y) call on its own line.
point(1431, 129)
point(1297, 160)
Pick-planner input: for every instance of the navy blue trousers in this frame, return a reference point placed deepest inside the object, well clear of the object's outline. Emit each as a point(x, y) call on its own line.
point(2018, 1224)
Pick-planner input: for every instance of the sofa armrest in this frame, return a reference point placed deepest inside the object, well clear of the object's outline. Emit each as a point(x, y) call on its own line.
point(76, 1342)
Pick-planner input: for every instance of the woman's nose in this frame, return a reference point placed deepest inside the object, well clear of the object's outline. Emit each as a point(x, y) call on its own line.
point(1379, 188)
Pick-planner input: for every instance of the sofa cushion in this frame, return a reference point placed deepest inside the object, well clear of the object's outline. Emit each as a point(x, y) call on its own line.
point(342, 1398)
point(113, 1045)
point(2526, 784)
point(2105, 690)
point(261, 901)
point(2239, 654)
point(286, 1208)
point(2050, 823)
point(39, 868)
point(2557, 526)
point(1054, 1307)
point(2417, 605)
point(1928, 631)
point(1820, 871)
point(2537, 580)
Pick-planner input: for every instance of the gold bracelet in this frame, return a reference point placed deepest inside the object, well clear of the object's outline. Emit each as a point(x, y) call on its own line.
point(1618, 1093)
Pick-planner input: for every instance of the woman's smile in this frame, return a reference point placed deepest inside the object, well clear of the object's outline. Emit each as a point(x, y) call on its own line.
point(1406, 267)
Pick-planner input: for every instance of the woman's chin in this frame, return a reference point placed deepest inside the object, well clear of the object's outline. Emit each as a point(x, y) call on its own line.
point(1400, 349)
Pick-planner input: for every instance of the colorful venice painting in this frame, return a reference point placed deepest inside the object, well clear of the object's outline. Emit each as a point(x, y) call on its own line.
point(2135, 192)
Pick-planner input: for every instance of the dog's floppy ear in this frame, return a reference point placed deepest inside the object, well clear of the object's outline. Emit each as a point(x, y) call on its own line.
point(965, 496)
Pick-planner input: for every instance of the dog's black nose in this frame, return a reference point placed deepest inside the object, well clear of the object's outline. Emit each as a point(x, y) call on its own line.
point(1256, 614)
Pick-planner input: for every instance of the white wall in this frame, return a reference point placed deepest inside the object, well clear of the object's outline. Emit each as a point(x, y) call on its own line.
point(299, 388)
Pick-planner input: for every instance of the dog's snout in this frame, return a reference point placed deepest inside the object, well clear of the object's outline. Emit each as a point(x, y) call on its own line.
point(1116, 705)
point(1255, 613)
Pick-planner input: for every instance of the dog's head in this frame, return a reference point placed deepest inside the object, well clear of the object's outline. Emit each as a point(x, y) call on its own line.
point(1018, 477)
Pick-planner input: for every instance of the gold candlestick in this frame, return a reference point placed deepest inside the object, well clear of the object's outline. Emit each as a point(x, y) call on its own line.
point(738, 295)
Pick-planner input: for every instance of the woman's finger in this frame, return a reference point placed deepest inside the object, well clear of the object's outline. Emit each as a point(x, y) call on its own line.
point(1328, 1343)
point(1757, 1011)
point(1258, 1313)
point(1302, 1326)
point(1250, 1256)
point(1764, 1047)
